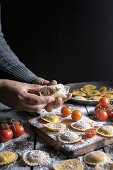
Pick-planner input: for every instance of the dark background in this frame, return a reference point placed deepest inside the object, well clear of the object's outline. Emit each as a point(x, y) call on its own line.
point(66, 40)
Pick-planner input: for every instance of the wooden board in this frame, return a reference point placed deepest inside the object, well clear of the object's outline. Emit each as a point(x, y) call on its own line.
point(72, 150)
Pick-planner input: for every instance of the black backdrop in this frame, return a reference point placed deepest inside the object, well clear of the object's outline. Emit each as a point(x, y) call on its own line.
point(66, 40)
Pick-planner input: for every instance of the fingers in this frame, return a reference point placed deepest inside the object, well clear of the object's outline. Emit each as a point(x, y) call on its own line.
point(53, 82)
point(49, 107)
point(41, 81)
point(33, 108)
point(69, 95)
point(58, 102)
point(34, 99)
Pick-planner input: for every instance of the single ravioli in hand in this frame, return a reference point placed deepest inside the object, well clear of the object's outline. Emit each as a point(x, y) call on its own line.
point(58, 90)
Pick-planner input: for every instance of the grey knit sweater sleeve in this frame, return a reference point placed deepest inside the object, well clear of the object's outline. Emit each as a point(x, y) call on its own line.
point(11, 64)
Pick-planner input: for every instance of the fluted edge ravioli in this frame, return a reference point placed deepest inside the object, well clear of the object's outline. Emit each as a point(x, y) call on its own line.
point(106, 131)
point(55, 126)
point(51, 118)
point(69, 164)
point(81, 126)
point(69, 137)
point(36, 157)
point(7, 157)
point(96, 157)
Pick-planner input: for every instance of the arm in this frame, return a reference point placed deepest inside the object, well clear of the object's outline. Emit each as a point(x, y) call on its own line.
point(11, 64)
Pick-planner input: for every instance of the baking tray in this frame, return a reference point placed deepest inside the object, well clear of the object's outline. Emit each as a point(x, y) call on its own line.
point(98, 84)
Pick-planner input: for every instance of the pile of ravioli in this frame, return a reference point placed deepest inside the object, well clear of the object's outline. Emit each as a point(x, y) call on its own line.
point(90, 92)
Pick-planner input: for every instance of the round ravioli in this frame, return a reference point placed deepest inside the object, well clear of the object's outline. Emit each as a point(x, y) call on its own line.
point(93, 93)
point(96, 157)
point(110, 91)
point(78, 93)
point(55, 126)
point(102, 91)
point(69, 137)
point(89, 86)
point(7, 157)
point(36, 157)
point(85, 90)
point(80, 98)
point(96, 98)
point(81, 126)
point(109, 96)
point(70, 164)
point(104, 166)
point(106, 131)
point(52, 118)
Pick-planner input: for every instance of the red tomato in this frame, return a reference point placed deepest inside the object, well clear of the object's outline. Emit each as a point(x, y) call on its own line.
point(90, 132)
point(76, 115)
point(110, 112)
point(102, 115)
point(66, 111)
point(96, 109)
point(5, 133)
point(17, 129)
point(104, 102)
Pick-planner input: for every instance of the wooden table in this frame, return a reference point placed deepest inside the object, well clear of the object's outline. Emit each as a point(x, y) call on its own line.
point(32, 141)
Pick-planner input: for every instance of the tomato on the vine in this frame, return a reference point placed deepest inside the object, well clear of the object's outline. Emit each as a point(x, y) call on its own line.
point(104, 102)
point(5, 133)
point(66, 111)
point(96, 109)
point(17, 128)
point(91, 132)
point(76, 115)
point(102, 115)
point(110, 113)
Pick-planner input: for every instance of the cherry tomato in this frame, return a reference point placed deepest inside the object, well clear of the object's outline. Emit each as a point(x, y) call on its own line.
point(66, 111)
point(102, 115)
point(96, 109)
point(104, 102)
point(90, 132)
point(5, 133)
point(17, 129)
point(76, 115)
point(110, 113)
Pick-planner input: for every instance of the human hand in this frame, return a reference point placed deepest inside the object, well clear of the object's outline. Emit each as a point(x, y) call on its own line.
point(58, 101)
point(23, 96)
point(42, 81)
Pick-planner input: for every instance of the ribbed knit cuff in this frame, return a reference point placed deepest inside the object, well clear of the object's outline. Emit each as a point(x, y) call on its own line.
point(21, 73)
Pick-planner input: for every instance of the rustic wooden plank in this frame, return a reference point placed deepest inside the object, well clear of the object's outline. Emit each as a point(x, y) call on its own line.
point(73, 150)
point(109, 150)
point(55, 156)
